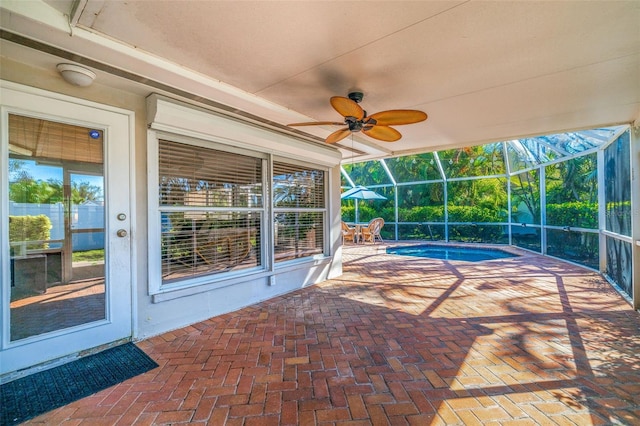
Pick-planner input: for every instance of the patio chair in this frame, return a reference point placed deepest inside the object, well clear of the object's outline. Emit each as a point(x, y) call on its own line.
point(225, 247)
point(348, 233)
point(371, 232)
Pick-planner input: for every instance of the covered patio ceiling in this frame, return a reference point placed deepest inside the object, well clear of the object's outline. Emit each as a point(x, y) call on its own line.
point(483, 71)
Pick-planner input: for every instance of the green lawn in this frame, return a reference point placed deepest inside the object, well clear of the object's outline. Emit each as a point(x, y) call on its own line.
point(88, 256)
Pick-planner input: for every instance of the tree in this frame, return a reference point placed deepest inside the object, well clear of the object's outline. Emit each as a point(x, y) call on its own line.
point(23, 188)
point(573, 180)
point(525, 188)
point(83, 191)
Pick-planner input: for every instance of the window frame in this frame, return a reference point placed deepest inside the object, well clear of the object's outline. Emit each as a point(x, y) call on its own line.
point(268, 266)
point(187, 122)
point(156, 210)
point(324, 210)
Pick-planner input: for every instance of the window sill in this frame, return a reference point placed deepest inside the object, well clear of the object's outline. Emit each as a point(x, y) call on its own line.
point(168, 294)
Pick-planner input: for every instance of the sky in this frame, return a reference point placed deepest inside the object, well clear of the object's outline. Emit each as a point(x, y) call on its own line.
point(45, 172)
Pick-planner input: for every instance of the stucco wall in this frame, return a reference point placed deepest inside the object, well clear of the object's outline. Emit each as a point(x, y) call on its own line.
point(153, 316)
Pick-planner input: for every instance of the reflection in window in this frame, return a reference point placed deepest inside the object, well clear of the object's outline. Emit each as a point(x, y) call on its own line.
point(619, 261)
point(199, 242)
point(211, 211)
point(56, 226)
point(298, 234)
point(299, 209)
point(617, 179)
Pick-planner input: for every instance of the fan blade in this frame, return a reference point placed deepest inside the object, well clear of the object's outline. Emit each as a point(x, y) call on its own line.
point(383, 133)
point(317, 123)
point(338, 135)
point(396, 117)
point(346, 107)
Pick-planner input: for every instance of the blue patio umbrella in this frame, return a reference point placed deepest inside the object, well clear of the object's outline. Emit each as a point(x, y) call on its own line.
point(361, 193)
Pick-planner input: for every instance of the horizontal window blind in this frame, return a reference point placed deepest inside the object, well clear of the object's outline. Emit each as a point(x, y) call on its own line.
point(297, 186)
point(199, 243)
point(213, 215)
point(211, 211)
point(298, 234)
point(202, 177)
point(299, 209)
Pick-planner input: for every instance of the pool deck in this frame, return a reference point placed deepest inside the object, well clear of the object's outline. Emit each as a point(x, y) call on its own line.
point(397, 341)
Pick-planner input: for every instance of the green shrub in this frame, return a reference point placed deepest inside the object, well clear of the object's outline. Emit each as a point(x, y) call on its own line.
point(30, 228)
point(477, 214)
point(474, 214)
point(422, 214)
point(577, 213)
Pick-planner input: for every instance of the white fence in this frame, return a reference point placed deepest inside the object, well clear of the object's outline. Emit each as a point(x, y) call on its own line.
point(83, 217)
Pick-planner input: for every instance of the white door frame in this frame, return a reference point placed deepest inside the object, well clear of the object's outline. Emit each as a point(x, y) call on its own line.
point(118, 125)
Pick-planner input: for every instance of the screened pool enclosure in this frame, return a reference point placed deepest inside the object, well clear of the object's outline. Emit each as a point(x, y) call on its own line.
point(565, 195)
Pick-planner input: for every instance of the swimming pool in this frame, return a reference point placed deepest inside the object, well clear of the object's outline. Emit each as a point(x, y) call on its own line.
point(467, 254)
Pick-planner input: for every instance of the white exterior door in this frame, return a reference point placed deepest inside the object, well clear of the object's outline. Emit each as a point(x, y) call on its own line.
point(66, 224)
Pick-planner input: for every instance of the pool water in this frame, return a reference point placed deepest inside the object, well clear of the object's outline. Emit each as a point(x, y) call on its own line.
point(467, 254)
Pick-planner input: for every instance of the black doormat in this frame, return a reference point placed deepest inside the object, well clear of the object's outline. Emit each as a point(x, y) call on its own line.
point(30, 396)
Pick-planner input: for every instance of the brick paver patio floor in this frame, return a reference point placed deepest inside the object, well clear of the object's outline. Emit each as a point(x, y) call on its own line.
point(400, 341)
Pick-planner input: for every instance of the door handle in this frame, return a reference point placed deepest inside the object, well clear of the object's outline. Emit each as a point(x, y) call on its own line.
point(121, 233)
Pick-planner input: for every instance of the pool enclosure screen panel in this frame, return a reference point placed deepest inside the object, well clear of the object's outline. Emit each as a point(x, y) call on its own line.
point(579, 247)
point(368, 173)
point(617, 177)
point(619, 257)
point(414, 168)
point(618, 212)
point(567, 195)
point(572, 193)
point(485, 160)
point(421, 202)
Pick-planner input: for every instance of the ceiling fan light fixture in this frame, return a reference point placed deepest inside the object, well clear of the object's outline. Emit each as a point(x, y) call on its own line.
point(76, 75)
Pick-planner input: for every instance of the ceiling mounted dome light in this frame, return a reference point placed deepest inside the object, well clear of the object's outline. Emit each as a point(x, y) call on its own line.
point(76, 75)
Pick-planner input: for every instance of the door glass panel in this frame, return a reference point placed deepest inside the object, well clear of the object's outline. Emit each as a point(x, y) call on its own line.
point(56, 226)
point(87, 227)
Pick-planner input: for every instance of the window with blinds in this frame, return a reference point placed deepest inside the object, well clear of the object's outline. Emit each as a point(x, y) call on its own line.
point(211, 210)
point(299, 210)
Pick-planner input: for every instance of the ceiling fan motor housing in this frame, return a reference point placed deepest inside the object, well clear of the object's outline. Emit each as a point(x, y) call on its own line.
point(354, 124)
point(356, 96)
